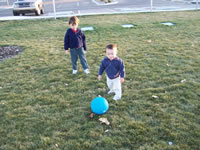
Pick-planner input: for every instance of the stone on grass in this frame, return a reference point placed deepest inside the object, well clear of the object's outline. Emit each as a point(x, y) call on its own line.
point(127, 25)
point(154, 96)
point(170, 143)
point(87, 28)
point(168, 23)
point(183, 80)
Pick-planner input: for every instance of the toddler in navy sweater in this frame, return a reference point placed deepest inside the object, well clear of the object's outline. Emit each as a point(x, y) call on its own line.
point(115, 70)
point(75, 41)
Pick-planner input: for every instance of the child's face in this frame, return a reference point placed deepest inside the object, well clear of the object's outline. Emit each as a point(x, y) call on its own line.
point(111, 53)
point(73, 26)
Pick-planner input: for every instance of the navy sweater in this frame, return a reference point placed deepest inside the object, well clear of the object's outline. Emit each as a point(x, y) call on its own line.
point(114, 68)
point(74, 40)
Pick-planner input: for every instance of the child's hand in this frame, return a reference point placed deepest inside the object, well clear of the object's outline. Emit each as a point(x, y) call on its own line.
point(121, 80)
point(66, 52)
point(99, 77)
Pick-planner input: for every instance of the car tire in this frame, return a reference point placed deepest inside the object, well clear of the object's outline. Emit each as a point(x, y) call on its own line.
point(37, 12)
point(42, 11)
point(16, 14)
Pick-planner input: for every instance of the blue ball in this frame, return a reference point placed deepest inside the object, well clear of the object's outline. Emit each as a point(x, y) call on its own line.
point(99, 105)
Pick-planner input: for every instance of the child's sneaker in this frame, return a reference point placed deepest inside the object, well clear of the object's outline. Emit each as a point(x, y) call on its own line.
point(74, 71)
point(116, 98)
point(110, 92)
point(87, 71)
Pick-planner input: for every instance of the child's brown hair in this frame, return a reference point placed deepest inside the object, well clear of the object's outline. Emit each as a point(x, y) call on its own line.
point(112, 46)
point(74, 20)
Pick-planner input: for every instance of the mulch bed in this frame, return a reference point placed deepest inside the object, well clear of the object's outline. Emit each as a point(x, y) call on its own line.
point(9, 51)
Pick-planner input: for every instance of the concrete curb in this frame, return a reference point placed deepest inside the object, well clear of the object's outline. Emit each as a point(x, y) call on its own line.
point(90, 14)
point(5, 7)
point(102, 3)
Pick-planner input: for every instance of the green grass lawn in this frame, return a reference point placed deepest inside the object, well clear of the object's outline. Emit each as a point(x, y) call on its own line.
point(44, 107)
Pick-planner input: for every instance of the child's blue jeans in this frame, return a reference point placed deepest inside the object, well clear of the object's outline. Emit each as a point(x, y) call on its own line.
point(75, 53)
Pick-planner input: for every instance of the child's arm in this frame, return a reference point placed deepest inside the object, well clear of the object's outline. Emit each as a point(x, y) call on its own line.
point(84, 41)
point(122, 72)
point(66, 43)
point(66, 52)
point(121, 80)
point(101, 70)
point(99, 77)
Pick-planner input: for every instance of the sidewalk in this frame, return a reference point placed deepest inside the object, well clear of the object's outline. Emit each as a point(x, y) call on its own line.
point(187, 1)
point(86, 13)
point(5, 7)
point(115, 9)
point(99, 2)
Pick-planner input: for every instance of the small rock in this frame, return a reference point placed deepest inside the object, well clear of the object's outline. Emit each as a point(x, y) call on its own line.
point(149, 41)
point(154, 96)
point(183, 80)
point(127, 25)
point(170, 143)
point(168, 23)
point(87, 29)
point(107, 131)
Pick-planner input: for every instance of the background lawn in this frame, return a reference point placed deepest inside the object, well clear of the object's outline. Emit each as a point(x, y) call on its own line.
point(43, 106)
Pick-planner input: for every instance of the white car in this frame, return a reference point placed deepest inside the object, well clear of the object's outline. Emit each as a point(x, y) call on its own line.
point(28, 6)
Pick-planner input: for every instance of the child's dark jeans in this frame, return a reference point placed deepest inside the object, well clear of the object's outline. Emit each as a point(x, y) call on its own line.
point(75, 53)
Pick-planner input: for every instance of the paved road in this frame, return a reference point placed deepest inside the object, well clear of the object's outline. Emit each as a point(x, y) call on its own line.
point(74, 7)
